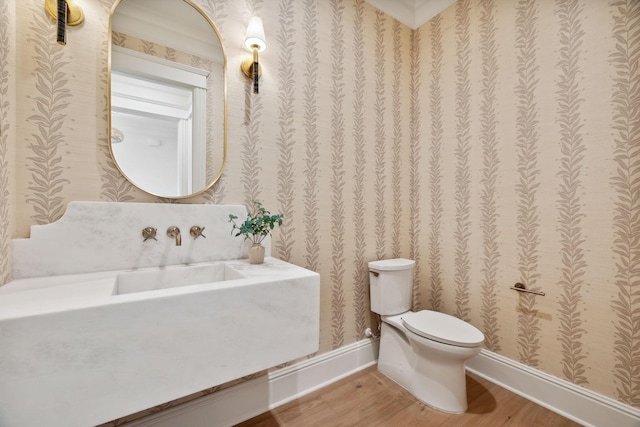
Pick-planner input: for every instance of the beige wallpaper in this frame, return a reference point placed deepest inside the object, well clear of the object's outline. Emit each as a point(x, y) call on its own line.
point(498, 143)
point(529, 171)
point(7, 133)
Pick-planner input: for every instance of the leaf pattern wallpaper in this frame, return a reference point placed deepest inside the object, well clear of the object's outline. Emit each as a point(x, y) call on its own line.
point(311, 137)
point(498, 143)
point(7, 134)
point(462, 187)
point(527, 140)
point(489, 202)
point(46, 143)
point(625, 183)
point(434, 168)
point(360, 273)
point(286, 142)
point(396, 138)
point(337, 172)
point(570, 190)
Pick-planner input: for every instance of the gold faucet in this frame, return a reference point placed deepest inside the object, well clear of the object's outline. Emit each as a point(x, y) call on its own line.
point(174, 232)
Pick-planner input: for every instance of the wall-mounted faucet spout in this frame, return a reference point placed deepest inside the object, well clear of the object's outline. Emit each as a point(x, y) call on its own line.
point(174, 232)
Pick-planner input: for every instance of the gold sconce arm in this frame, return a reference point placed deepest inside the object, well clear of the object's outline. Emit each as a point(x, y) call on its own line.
point(75, 16)
point(64, 12)
point(248, 67)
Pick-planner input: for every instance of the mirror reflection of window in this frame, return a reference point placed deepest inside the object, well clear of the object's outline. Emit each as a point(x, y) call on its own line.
point(146, 87)
point(158, 147)
point(167, 73)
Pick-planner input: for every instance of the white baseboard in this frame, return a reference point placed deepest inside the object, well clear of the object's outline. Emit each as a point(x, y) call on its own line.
point(253, 397)
point(250, 398)
point(563, 397)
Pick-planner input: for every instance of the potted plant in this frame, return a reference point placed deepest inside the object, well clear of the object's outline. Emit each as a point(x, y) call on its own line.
point(258, 225)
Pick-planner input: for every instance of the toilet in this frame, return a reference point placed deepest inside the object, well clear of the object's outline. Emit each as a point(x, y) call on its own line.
point(423, 351)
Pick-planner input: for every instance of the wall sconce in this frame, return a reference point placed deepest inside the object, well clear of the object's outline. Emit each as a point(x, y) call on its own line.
point(65, 12)
point(255, 42)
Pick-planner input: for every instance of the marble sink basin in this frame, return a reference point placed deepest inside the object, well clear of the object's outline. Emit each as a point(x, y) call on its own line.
point(172, 277)
point(90, 348)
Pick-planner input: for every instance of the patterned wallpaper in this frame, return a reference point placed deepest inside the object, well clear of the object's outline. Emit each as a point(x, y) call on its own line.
point(7, 133)
point(528, 161)
point(498, 143)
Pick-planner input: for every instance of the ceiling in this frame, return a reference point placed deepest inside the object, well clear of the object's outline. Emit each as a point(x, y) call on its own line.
point(412, 13)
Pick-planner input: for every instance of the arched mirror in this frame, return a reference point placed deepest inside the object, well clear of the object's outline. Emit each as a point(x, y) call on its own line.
point(167, 83)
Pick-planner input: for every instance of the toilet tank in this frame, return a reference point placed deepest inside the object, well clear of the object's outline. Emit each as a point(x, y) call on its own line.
point(390, 285)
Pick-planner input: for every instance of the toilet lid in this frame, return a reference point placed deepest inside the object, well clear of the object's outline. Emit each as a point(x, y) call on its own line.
point(443, 328)
point(391, 264)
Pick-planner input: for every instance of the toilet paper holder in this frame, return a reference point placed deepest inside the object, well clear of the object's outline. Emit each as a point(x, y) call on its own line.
point(520, 287)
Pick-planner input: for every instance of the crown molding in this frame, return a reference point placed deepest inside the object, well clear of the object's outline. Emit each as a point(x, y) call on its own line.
point(412, 13)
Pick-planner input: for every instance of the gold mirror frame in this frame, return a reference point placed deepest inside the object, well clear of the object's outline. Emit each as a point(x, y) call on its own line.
point(208, 185)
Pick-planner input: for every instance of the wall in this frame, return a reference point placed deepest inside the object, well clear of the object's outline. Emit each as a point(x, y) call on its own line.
point(7, 132)
point(325, 142)
point(509, 155)
point(527, 165)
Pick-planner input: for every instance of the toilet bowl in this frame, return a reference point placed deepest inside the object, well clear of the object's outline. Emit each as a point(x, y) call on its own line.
point(424, 351)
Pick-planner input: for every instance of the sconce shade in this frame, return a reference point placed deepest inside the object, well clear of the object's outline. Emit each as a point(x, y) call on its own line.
point(255, 35)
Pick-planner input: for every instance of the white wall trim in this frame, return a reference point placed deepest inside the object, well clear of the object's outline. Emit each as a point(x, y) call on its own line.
point(563, 397)
point(253, 397)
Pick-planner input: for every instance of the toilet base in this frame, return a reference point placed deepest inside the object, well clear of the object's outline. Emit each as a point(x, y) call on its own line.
point(432, 372)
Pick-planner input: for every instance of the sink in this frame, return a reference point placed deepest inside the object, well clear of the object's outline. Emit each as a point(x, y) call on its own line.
point(172, 277)
point(94, 329)
point(96, 347)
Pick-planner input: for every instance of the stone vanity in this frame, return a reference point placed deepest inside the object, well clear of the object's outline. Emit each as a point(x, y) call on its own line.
point(98, 324)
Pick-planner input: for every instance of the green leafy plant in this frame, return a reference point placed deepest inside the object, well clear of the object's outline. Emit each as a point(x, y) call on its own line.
point(258, 225)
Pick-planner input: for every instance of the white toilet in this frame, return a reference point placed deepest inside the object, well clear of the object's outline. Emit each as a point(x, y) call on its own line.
point(422, 351)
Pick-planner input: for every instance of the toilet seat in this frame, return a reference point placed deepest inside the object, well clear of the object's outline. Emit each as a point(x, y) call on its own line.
point(443, 328)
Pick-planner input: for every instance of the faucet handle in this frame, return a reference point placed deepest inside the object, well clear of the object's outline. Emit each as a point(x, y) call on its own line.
point(196, 231)
point(149, 233)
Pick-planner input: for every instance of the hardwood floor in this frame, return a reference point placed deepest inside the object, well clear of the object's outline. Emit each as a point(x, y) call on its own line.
point(368, 398)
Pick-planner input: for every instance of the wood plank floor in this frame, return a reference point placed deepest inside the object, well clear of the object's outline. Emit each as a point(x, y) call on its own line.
point(368, 398)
